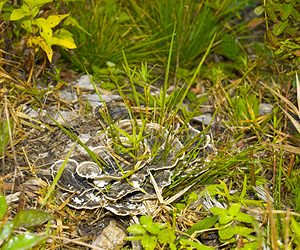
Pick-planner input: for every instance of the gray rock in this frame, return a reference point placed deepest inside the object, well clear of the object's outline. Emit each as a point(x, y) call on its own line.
point(265, 109)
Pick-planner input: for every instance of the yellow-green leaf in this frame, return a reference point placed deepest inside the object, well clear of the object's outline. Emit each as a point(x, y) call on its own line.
point(64, 41)
point(40, 42)
point(45, 29)
point(17, 14)
point(54, 20)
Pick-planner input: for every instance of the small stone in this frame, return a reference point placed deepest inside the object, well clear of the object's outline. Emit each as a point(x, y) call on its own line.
point(111, 238)
point(205, 118)
point(84, 82)
point(265, 109)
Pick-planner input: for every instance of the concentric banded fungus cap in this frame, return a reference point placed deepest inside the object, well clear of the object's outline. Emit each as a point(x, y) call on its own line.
point(89, 170)
point(88, 199)
point(68, 180)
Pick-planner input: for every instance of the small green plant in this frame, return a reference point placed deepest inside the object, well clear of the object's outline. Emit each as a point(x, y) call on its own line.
point(10, 240)
point(152, 234)
point(38, 28)
point(282, 29)
point(232, 222)
point(41, 31)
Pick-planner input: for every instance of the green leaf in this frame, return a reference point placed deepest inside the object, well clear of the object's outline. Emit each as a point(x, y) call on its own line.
point(279, 27)
point(242, 217)
point(18, 14)
point(193, 196)
point(166, 235)
point(45, 30)
point(206, 223)
point(218, 211)
point(23, 241)
point(3, 206)
point(259, 10)
point(243, 231)
point(250, 246)
point(30, 218)
point(6, 230)
point(226, 233)
point(234, 209)
point(37, 3)
point(54, 20)
point(286, 11)
point(146, 220)
point(295, 227)
point(153, 229)
point(64, 39)
point(39, 41)
point(136, 229)
point(149, 242)
point(5, 127)
point(224, 219)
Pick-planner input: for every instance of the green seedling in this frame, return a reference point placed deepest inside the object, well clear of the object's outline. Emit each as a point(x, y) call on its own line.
point(282, 29)
point(9, 240)
point(152, 234)
point(233, 222)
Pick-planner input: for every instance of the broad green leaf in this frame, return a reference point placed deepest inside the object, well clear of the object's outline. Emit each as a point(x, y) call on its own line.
point(286, 11)
point(149, 242)
point(30, 218)
point(6, 230)
point(64, 39)
point(146, 220)
point(153, 229)
point(259, 10)
point(23, 241)
point(37, 3)
point(17, 14)
point(279, 27)
point(218, 211)
point(136, 229)
point(54, 20)
point(5, 126)
point(224, 219)
point(3, 206)
point(206, 223)
point(226, 233)
point(295, 227)
point(243, 231)
point(250, 246)
point(242, 217)
point(166, 235)
point(45, 30)
point(234, 209)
